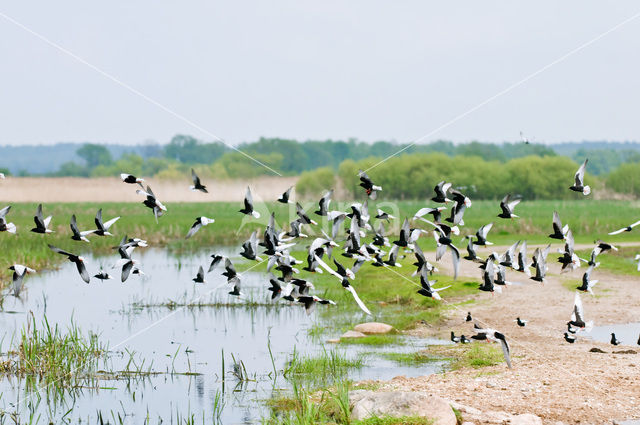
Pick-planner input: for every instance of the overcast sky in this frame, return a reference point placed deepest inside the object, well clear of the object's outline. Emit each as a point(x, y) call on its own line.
point(372, 70)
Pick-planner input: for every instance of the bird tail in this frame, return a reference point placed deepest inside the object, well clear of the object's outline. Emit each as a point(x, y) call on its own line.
point(586, 190)
point(256, 214)
point(11, 228)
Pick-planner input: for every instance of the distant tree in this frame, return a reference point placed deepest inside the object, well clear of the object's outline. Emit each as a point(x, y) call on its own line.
point(72, 169)
point(5, 171)
point(188, 149)
point(94, 155)
point(625, 179)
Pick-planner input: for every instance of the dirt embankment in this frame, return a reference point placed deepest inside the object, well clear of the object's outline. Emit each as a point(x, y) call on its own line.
point(109, 189)
point(551, 378)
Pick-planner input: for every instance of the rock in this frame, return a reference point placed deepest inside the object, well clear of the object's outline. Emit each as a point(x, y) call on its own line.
point(596, 350)
point(624, 352)
point(525, 419)
point(401, 403)
point(353, 334)
point(373, 328)
point(333, 340)
point(468, 423)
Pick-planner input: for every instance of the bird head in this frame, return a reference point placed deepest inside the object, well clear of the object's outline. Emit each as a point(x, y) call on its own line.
point(81, 259)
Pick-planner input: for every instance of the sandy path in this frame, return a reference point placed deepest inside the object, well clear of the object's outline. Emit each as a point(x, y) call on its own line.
point(551, 378)
point(73, 189)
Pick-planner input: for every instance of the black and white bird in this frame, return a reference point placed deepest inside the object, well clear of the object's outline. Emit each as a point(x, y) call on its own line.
point(520, 322)
point(459, 198)
point(481, 235)
point(436, 213)
point(441, 192)
point(102, 275)
point(614, 340)
point(492, 335)
point(488, 281)
point(19, 272)
point(472, 255)
point(522, 260)
point(200, 221)
point(366, 183)
point(426, 288)
point(42, 224)
point(248, 205)
point(578, 180)
point(559, 231)
point(442, 235)
point(540, 263)
point(215, 260)
point(102, 229)
point(131, 179)
point(457, 212)
point(577, 322)
point(509, 257)
point(587, 283)
point(625, 229)
point(507, 206)
point(77, 234)
point(4, 225)
point(250, 247)
point(152, 202)
point(285, 198)
point(468, 318)
point(302, 215)
point(569, 258)
point(323, 204)
point(381, 215)
point(197, 184)
point(570, 338)
point(76, 259)
point(343, 274)
point(199, 276)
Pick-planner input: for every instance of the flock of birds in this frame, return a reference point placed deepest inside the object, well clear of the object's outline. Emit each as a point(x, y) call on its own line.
point(277, 245)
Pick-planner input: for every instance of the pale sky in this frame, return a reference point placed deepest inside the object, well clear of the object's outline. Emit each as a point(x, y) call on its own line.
point(372, 70)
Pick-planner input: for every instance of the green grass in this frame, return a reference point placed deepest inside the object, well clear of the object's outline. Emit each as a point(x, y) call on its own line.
point(478, 355)
point(618, 262)
point(411, 359)
point(54, 355)
point(374, 340)
point(389, 420)
point(322, 369)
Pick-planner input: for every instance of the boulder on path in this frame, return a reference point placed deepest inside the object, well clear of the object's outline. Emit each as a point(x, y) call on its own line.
point(372, 328)
point(353, 334)
point(366, 404)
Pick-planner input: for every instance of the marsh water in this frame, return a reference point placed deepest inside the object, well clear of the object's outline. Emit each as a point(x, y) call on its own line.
point(145, 331)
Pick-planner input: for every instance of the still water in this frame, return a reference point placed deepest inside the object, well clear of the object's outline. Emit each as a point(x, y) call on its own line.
point(188, 341)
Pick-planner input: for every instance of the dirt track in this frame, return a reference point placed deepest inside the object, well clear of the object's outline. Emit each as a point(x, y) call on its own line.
point(553, 379)
point(108, 189)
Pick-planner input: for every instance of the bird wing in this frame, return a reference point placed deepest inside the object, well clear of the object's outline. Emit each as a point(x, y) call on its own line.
point(358, 300)
point(337, 222)
point(38, 217)
point(248, 199)
point(578, 310)
point(194, 228)
point(61, 251)
point(4, 211)
point(484, 230)
point(579, 177)
point(617, 232)
point(110, 222)
point(326, 267)
point(504, 204)
point(200, 273)
point(455, 257)
point(557, 224)
point(195, 178)
point(634, 224)
point(511, 205)
point(74, 225)
point(98, 220)
point(568, 245)
point(228, 265)
point(505, 348)
point(83, 271)
point(126, 269)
